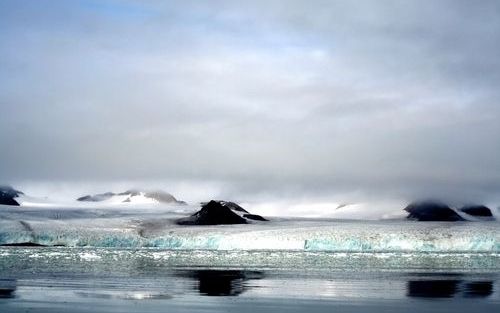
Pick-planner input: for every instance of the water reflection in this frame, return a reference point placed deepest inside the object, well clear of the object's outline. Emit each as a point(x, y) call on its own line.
point(221, 282)
point(236, 282)
point(478, 289)
point(432, 288)
point(7, 288)
point(439, 288)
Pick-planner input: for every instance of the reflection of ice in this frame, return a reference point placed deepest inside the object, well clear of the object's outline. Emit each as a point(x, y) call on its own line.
point(88, 256)
point(124, 295)
point(329, 287)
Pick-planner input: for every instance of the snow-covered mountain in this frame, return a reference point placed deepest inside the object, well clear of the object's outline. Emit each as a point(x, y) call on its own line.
point(13, 197)
point(132, 196)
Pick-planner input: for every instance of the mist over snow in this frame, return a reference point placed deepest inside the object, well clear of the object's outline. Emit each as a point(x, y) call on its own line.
point(282, 105)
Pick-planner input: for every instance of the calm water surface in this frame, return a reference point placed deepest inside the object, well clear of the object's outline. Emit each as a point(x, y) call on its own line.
point(104, 280)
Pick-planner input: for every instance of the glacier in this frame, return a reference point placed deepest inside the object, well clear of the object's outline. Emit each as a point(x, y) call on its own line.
point(154, 228)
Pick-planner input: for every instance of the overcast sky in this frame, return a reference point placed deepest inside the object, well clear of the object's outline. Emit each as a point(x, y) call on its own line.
point(312, 98)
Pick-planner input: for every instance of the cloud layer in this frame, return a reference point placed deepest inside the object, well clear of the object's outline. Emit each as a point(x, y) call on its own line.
point(311, 98)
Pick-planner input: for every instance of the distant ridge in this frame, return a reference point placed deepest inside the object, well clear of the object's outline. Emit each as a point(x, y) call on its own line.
point(8, 195)
point(133, 196)
point(437, 211)
point(477, 210)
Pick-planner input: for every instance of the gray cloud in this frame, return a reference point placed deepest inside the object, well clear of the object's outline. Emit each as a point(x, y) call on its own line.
point(388, 98)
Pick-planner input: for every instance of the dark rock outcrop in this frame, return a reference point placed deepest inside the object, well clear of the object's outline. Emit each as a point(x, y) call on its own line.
point(233, 206)
point(219, 213)
point(429, 210)
point(228, 204)
point(477, 210)
point(213, 213)
point(8, 195)
point(23, 244)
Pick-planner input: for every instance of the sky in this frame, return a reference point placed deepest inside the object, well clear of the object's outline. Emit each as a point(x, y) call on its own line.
point(248, 99)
